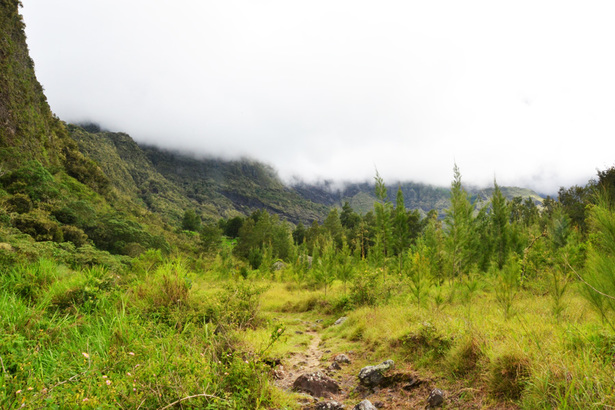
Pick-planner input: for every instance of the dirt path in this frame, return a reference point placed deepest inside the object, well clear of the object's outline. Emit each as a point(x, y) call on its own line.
point(301, 362)
point(405, 387)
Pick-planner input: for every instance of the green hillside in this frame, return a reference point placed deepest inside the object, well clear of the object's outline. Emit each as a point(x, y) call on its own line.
point(417, 196)
point(115, 294)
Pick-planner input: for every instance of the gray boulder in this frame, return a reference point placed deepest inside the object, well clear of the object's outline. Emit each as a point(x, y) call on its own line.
point(316, 384)
point(365, 405)
point(371, 376)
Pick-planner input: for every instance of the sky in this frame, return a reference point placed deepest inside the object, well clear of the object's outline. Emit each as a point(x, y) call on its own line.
point(521, 92)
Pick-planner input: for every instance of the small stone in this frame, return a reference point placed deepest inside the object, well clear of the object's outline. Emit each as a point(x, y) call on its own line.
point(298, 332)
point(279, 374)
point(341, 358)
point(334, 366)
point(329, 405)
point(436, 398)
point(365, 405)
point(340, 321)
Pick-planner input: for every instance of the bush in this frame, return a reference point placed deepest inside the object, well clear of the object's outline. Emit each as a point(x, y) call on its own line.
point(464, 358)
point(32, 179)
point(19, 203)
point(74, 235)
point(238, 305)
point(508, 375)
point(38, 225)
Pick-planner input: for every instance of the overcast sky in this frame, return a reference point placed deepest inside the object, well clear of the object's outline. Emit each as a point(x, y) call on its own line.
point(523, 91)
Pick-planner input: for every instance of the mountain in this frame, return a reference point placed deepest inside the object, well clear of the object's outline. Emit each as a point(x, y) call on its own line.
point(82, 185)
point(168, 183)
point(422, 197)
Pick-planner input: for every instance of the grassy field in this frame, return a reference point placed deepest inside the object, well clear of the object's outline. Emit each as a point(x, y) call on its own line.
point(159, 332)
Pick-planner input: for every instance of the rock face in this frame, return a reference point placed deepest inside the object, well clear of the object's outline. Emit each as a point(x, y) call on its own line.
point(435, 399)
point(365, 405)
point(371, 376)
point(316, 384)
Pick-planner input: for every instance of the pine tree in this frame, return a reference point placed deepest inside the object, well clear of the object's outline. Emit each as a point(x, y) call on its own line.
point(401, 229)
point(500, 226)
point(382, 209)
point(459, 226)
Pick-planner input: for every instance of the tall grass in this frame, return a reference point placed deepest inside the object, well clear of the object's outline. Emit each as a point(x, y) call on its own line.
point(87, 338)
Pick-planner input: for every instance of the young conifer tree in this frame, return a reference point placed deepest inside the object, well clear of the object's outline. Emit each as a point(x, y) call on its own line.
point(401, 229)
point(459, 226)
point(383, 211)
point(500, 226)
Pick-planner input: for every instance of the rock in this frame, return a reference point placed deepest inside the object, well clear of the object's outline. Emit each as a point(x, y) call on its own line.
point(341, 358)
point(334, 366)
point(371, 376)
point(329, 405)
point(279, 374)
point(317, 384)
point(279, 265)
point(318, 320)
point(340, 321)
point(413, 383)
point(365, 405)
point(435, 399)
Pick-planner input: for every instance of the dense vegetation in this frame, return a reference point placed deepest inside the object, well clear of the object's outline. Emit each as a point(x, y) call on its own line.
point(127, 283)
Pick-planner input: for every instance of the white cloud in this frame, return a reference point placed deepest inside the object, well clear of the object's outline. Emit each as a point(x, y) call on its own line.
point(521, 91)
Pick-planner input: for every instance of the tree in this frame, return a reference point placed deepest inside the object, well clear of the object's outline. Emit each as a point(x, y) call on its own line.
point(500, 226)
point(401, 231)
point(191, 221)
point(344, 265)
point(382, 209)
point(211, 238)
point(232, 226)
point(351, 222)
point(600, 265)
point(334, 228)
point(299, 234)
point(574, 201)
point(459, 224)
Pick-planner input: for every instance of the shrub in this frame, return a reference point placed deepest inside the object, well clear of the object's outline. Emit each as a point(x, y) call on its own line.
point(464, 357)
point(74, 235)
point(32, 179)
point(238, 305)
point(38, 225)
point(508, 375)
point(19, 203)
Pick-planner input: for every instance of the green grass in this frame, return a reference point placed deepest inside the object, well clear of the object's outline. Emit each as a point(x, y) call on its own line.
point(532, 357)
